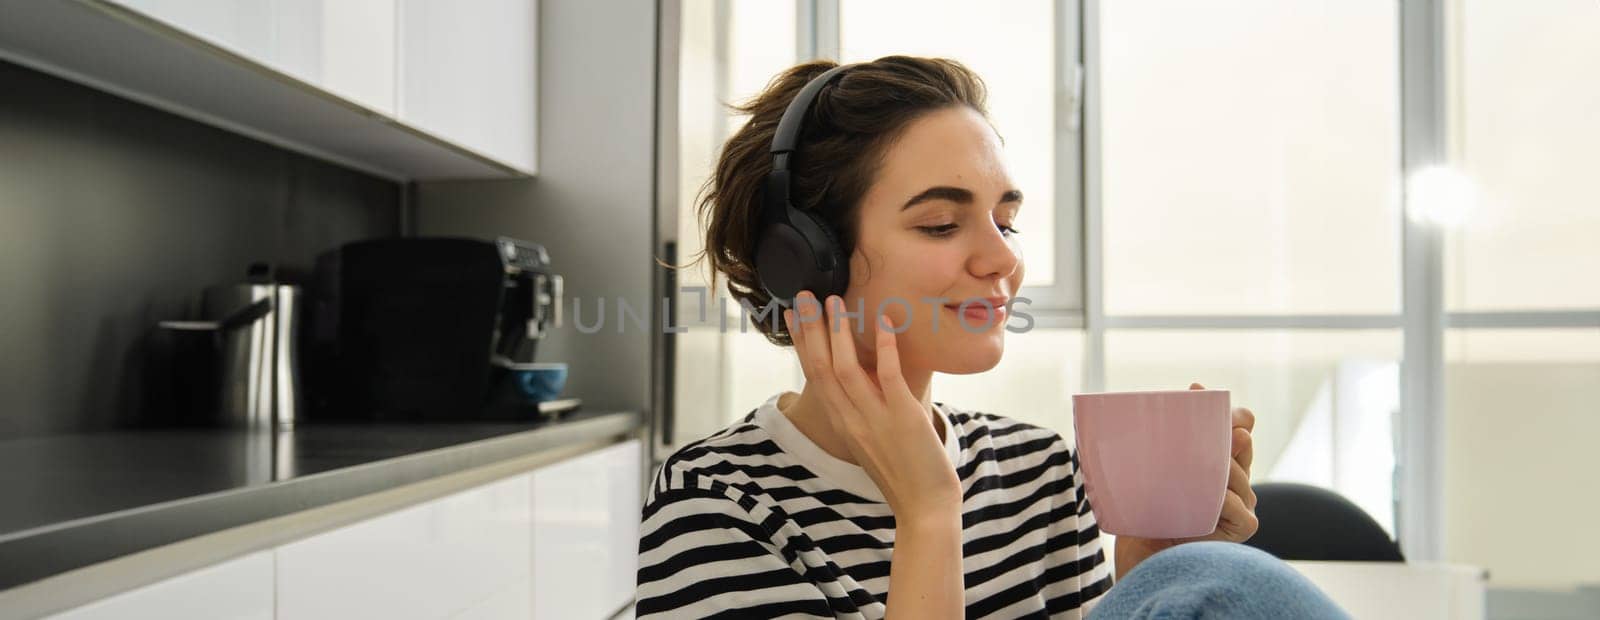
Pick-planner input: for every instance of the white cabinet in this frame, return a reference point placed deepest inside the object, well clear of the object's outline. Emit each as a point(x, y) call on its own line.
point(358, 59)
point(468, 74)
point(238, 589)
point(512, 602)
point(406, 89)
point(432, 560)
point(345, 47)
point(586, 533)
point(559, 542)
point(464, 72)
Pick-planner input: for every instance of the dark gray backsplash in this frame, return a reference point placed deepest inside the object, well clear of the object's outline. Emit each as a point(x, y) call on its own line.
point(114, 216)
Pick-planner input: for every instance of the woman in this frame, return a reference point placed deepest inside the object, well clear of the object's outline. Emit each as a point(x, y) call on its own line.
point(821, 503)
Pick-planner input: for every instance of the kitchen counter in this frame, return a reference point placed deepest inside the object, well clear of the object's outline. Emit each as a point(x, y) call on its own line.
point(75, 500)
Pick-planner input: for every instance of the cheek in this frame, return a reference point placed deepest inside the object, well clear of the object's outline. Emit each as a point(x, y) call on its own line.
point(910, 272)
point(1015, 279)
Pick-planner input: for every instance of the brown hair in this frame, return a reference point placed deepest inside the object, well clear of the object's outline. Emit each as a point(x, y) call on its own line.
point(843, 138)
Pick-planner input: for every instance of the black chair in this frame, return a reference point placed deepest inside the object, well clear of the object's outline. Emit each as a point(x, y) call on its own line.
point(1303, 522)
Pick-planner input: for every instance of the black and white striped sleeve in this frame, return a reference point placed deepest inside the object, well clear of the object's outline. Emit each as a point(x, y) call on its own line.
point(1076, 567)
point(702, 555)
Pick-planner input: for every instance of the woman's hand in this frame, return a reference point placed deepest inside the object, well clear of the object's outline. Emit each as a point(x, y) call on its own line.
point(888, 431)
point(1238, 520)
point(890, 434)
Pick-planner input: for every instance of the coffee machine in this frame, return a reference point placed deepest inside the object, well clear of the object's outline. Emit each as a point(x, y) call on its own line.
point(409, 329)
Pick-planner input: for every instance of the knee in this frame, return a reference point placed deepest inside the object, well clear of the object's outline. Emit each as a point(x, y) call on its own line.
point(1223, 564)
point(1215, 553)
point(1216, 580)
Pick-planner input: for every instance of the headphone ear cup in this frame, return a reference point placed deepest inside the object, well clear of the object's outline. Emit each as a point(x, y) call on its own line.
point(783, 262)
point(786, 261)
point(834, 282)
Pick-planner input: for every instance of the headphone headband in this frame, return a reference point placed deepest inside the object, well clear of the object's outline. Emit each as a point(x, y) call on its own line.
point(783, 141)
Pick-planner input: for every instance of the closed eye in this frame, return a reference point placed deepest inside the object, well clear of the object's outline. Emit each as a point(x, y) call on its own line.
point(938, 231)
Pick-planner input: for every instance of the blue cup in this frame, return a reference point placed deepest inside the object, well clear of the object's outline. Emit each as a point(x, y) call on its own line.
point(539, 382)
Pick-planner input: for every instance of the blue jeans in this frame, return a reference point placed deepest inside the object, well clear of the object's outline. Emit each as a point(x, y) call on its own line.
point(1215, 580)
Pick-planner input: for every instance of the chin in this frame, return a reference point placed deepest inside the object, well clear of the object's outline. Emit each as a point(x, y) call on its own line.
point(972, 353)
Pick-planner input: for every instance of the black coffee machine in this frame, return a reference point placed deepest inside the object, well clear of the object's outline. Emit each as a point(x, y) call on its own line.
point(408, 329)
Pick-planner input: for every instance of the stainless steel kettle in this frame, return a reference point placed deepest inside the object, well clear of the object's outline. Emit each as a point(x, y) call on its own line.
point(250, 334)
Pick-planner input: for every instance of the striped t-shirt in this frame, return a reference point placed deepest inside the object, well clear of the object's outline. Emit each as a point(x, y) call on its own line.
point(757, 521)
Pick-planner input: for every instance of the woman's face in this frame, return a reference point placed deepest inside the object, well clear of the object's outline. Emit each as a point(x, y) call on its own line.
point(935, 231)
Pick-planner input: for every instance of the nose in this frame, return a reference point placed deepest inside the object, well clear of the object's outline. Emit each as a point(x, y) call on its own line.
point(993, 255)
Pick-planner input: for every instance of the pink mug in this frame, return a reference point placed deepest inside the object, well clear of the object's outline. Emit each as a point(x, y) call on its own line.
point(1155, 464)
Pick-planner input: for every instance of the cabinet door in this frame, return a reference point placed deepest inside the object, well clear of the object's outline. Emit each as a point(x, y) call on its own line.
point(467, 74)
point(586, 533)
point(344, 47)
point(237, 589)
point(433, 560)
point(357, 59)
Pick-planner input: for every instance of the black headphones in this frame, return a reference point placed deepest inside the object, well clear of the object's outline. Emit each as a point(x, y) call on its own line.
point(795, 249)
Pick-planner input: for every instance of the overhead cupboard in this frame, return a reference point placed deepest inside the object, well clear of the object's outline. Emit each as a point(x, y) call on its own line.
point(407, 89)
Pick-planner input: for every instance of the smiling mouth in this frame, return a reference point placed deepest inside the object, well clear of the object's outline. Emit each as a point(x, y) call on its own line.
point(977, 315)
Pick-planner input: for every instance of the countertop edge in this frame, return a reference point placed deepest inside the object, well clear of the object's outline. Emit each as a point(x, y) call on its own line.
point(37, 554)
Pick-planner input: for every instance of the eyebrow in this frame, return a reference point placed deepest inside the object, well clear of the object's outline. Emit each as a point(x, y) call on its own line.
point(956, 195)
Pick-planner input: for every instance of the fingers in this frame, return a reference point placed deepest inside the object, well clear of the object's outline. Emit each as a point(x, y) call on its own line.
point(1244, 418)
point(1239, 484)
point(816, 356)
point(810, 341)
point(846, 364)
point(1238, 523)
point(794, 337)
point(889, 377)
point(1244, 451)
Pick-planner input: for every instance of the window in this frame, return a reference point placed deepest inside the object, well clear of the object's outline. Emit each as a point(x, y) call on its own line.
point(1240, 182)
point(1523, 128)
point(1243, 191)
point(1520, 407)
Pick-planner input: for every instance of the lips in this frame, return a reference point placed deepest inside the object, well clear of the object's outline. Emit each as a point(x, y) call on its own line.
point(977, 314)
